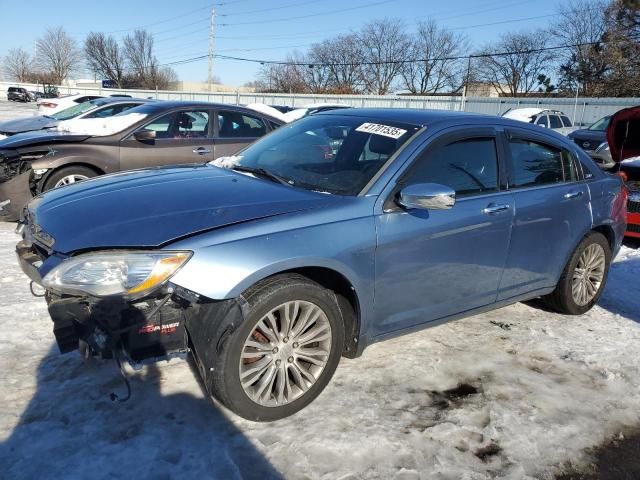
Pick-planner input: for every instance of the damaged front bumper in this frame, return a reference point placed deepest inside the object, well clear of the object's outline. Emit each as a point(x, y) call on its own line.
point(14, 195)
point(169, 322)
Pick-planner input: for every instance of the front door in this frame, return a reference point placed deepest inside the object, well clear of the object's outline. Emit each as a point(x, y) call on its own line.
point(432, 264)
point(182, 136)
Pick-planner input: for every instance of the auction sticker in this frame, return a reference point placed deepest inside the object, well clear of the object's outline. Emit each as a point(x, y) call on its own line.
point(384, 130)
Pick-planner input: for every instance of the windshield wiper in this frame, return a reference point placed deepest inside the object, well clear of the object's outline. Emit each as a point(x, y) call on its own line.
point(261, 172)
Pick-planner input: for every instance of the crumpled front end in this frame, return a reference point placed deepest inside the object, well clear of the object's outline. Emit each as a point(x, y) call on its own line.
point(16, 184)
point(150, 327)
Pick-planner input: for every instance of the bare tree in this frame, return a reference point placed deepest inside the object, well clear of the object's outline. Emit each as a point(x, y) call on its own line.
point(57, 54)
point(622, 50)
point(17, 64)
point(514, 63)
point(432, 68)
point(105, 57)
point(142, 62)
point(384, 45)
point(341, 58)
point(164, 77)
point(287, 78)
point(581, 24)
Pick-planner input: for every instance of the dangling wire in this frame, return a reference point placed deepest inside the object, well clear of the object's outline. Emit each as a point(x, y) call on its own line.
point(114, 397)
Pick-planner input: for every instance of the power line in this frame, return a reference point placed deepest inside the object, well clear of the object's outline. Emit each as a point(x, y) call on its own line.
point(270, 9)
point(381, 62)
point(298, 17)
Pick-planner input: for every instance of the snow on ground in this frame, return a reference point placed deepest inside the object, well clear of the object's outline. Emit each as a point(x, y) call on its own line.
point(12, 110)
point(516, 393)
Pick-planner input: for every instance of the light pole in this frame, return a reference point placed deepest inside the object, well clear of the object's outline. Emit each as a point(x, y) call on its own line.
point(212, 35)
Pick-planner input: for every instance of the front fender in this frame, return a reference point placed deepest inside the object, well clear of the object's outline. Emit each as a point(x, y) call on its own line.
point(224, 270)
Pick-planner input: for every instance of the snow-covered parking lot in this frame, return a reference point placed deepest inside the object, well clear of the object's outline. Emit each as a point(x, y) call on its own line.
point(10, 110)
point(516, 393)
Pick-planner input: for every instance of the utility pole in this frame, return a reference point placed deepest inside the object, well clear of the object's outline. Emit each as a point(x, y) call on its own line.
point(463, 100)
point(212, 37)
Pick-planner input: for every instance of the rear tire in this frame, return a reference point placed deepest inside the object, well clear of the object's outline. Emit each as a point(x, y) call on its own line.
point(289, 382)
point(583, 278)
point(64, 175)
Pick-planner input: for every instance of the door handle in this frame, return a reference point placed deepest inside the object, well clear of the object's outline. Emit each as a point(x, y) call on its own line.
point(493, 208)
point(572, 195)
point(201, 151)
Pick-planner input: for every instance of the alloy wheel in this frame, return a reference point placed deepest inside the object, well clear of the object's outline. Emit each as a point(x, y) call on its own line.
point(285, 353)
point(588, 274)
point(69, 179)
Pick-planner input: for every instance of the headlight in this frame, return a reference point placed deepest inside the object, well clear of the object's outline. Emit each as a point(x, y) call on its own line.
point(603, 147)
point(132, 274)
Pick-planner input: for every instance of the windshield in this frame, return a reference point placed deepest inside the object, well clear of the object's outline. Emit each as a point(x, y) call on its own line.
point(78, 109)
point(601, 125)
point(336, 154)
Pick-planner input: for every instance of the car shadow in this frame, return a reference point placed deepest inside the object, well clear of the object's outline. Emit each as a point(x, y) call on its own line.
point(620, 294)
point(71, 428)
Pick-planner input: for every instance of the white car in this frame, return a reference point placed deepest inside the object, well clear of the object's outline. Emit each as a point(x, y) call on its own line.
point(552, 119)
point(47, 106)
point(311, 109)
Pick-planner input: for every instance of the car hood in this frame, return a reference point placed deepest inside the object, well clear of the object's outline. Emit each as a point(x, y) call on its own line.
point(27, 124)
point(26, 139)
point(150, 208)
point(588, 139)
point(623, 134)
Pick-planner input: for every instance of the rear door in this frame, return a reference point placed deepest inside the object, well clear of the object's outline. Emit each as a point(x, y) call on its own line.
point(235, 130)
point(551, 211)
point(182, 136)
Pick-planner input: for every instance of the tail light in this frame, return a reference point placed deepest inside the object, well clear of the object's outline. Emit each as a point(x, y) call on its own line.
point(48, 104)
point(619, 206)
point(623, 176)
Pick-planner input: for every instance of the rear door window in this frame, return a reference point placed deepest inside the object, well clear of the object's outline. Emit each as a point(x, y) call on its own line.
point(237, 125)
point(554, 121)
point(565, 120)
point(535, 164)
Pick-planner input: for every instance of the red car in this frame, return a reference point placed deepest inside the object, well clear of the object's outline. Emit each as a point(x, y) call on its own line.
point(623, 136)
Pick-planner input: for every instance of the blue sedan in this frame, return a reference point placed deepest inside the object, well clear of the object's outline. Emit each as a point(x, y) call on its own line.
point(333, 232)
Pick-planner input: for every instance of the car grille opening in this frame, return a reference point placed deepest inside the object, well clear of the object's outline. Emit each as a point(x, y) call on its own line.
point(633, 228)
point(633, 207)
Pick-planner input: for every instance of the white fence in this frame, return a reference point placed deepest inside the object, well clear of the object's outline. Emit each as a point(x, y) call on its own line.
point(582, 111)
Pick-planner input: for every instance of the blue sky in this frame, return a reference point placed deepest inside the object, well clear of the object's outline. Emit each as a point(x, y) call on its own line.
point(257, 28)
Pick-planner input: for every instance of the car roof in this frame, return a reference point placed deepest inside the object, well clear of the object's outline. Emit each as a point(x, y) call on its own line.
point(106, 100)
point(409, 115)
point(414, 116)
point(159, 106)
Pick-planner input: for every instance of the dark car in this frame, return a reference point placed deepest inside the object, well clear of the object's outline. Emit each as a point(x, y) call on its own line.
point(271, 270)
point(19, 94)
point(593, 140)
point(160, 133)
point(98, 108)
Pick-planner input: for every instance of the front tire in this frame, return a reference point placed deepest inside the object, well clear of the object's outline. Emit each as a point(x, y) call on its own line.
point(284, 353)
point(67, 176)
point(583, 278)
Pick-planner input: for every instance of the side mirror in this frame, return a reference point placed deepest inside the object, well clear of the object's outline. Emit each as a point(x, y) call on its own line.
point(429, 196)
point(145, 135)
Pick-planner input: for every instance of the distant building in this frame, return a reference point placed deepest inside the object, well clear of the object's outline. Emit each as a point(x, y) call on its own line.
point(482, 89)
